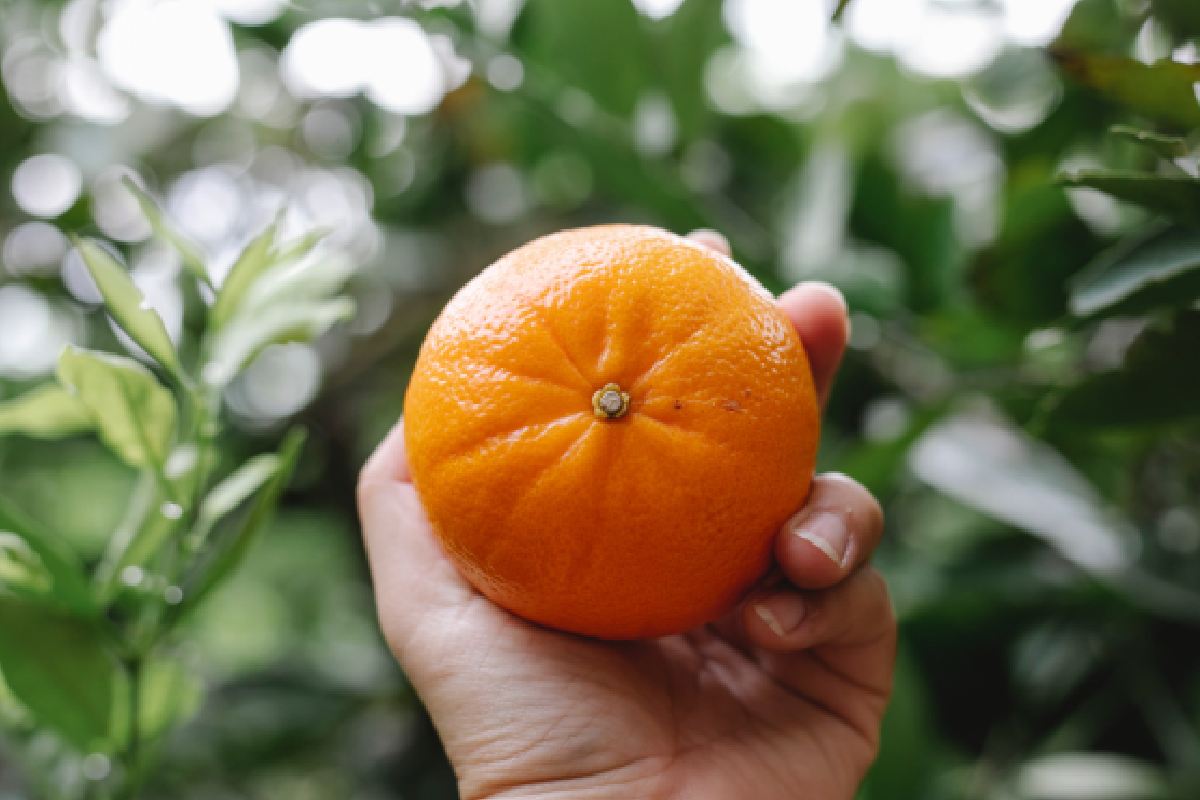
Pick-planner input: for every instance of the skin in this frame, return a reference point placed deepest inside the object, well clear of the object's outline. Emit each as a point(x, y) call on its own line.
point(782, 698)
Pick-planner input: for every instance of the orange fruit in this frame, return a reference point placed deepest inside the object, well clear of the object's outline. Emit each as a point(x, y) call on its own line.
point(607, 428)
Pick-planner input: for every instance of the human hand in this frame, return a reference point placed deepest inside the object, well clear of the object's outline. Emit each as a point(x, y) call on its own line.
point(782, 698)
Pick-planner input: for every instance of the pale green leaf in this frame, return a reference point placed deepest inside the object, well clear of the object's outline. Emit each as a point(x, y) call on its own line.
point(193, 258)
point(168, 695)
point(1177, 196)
point(989, 465)
point(299, 247)
point(138, 538)
point(241, 341)
point(1160, 267)
point(237, 487)
point(231, 550)
point(134, 415)
point(1096, 776)
point(21, 570)
point(249, 266)
point(128, 308)
point(304, 280)
point(230, 493)
point(61, 671)
point(1162, 145)
point(47, 412)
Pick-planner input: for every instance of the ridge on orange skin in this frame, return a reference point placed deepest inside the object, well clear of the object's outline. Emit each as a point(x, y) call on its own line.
point(644, 524)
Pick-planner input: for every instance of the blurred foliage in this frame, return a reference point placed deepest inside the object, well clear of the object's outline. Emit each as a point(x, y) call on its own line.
point(1016, 241)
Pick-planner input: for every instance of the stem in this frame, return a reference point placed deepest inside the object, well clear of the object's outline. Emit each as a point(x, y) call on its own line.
point(132, 754)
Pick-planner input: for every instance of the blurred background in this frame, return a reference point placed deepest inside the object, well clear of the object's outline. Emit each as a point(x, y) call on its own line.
point(1044, 552)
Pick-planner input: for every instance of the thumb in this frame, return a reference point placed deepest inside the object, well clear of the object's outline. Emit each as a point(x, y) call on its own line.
point(412, 575)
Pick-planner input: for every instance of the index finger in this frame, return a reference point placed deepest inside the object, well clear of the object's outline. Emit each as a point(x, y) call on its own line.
point(817, 311)
point(389, 462)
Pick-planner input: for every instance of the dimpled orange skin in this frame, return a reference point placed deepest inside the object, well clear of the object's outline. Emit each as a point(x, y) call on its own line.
point(648, 524)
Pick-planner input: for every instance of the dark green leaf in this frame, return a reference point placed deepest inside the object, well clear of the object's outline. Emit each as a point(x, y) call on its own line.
point(1177, 196)
point(230, 552)
point(189, 251)
point(1097, 26)
point(575, 43)
point(1161, 267)
point(69, 585)
point(60, 669)
point(47, 412)
point(840, 9)
point(253, 262)
point(244, 338)
point(133, 413)
point(681, 53)
point(1163, 91)
point(1181, 16)
point(1168, 147)
point(1155, 386)
point(125, 303)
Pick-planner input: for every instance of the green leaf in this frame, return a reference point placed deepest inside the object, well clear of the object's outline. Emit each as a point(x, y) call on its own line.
point(1096, 26)
point(1177, 196)
point(47, 412)
point(1164, 91)
point(574, 43)
point(168, 695)
point(1161, 267)
point(253, 262)
point(238, 344)
point(231, 493)
point(133, 413)
point(139, 538)
point(69, 586)
point(189, 251)
point(989, 465)
point(232, 549)
point(125, 303)
point(690, 37)
point(840, 9)
point(21, 571)
point(1152, 388)
point(1168, 147)
point(237, 487)
point(60, 669)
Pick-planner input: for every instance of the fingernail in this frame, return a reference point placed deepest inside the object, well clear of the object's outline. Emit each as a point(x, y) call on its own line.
point(783, 615)
point(825, 531)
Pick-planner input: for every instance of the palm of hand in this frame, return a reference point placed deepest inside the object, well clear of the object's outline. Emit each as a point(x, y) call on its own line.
point(698, 715)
